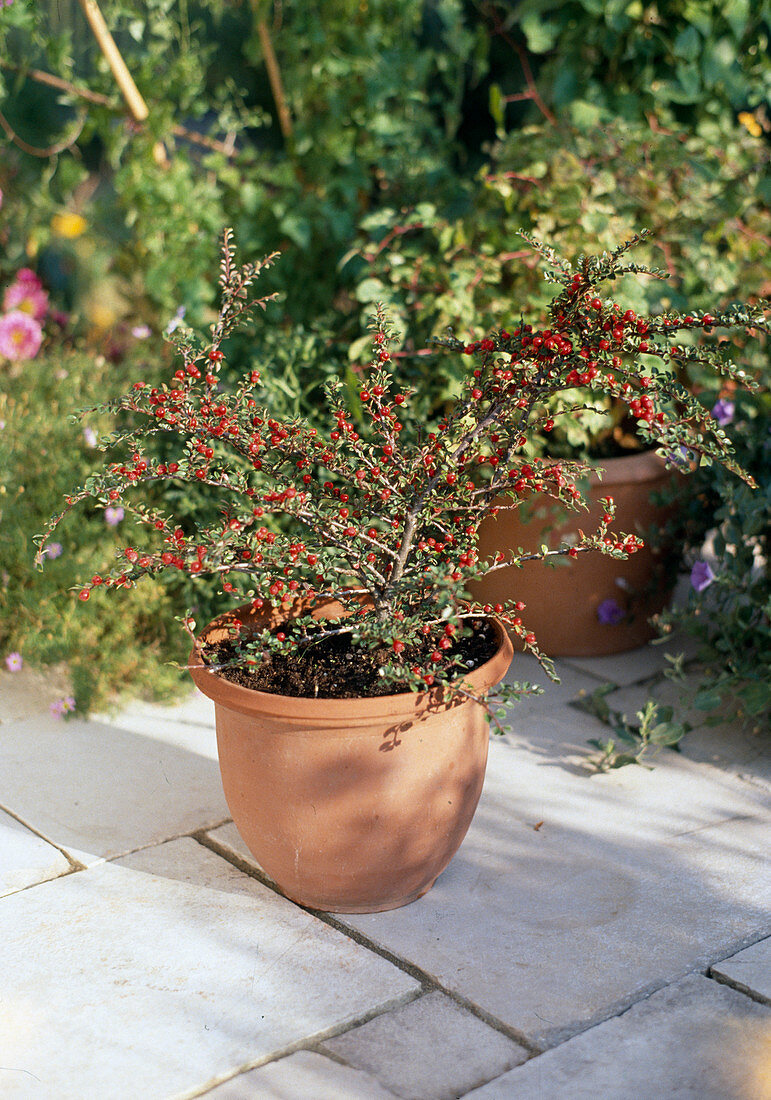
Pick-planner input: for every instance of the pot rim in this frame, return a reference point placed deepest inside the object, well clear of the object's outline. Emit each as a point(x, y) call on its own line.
point(329, 712)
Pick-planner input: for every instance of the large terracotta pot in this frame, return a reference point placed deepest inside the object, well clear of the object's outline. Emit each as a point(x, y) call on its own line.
point(567, 604)
point(350, 806)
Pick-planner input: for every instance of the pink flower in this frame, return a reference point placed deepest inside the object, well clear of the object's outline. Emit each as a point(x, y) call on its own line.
point(20, 336)
point(27, 296)
point(27, 275)
point(113, 516)
point(62, 707)
point(14, 662)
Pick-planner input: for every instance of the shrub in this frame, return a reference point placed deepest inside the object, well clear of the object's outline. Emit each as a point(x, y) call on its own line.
point(41, 453)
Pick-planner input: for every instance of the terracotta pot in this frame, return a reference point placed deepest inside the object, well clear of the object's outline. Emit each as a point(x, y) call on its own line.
point(563, 600)
point(350, 805)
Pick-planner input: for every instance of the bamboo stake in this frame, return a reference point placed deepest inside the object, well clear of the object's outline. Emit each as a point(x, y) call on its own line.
point(123, 78)
point(274, 74)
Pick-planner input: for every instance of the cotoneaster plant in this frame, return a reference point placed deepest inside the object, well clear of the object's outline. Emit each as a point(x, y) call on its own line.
point(380, 512)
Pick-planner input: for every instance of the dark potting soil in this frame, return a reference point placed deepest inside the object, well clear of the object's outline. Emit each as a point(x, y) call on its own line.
point(332, 668)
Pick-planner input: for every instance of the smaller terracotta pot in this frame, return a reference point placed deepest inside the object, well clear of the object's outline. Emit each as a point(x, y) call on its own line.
point(563, 600)
point(349, 805)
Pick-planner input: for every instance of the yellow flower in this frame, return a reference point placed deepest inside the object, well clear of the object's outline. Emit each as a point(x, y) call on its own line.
point(750, 123)
point(68, 225)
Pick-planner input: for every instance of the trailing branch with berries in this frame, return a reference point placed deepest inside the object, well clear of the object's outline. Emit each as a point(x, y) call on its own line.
point(379, 512)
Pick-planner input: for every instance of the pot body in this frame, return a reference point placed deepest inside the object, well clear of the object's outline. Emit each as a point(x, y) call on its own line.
point(351, 806)
point(563, 600)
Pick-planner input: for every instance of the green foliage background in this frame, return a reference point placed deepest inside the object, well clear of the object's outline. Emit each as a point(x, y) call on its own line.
point(423, 136)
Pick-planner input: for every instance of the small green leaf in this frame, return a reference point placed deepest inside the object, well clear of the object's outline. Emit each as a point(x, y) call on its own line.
point(687, 44)
point(541, 34)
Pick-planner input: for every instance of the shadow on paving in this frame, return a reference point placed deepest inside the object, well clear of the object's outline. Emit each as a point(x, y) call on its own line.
point(571, 898)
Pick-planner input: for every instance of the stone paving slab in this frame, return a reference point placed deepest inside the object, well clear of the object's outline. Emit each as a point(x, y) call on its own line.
point(99, 791)
point(25, 858)
point(749, 971)
point(189, 722)
point(305, 1075)
point(167, 971)
point(695, 1040)
point(430, 1049)
point(29, 692)
point(555, 695)
point(733, 747)
point(572, 897)
point(631, 667)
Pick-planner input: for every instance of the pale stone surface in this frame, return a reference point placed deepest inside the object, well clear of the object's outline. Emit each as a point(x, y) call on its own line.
point(188, 723)
point(749, 971)
point(733, 747)
point(29, 692)
point(302, 1076)
point(99, 791)
point(560, 734)
point(526, 668)
point(572, 897)
point(627, 668)
point(730, 746)
point(430, 1049)
point(25, 858)
point(166, 972)
point(695, 1040)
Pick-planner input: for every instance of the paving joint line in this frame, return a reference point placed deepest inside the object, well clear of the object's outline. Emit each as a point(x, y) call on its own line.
point(75, 864)
point(313, 1043)
point(428, 982)
point(189, 834)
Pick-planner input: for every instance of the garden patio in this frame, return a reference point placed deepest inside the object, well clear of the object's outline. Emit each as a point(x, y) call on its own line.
point(447, 191)
point(598, 934)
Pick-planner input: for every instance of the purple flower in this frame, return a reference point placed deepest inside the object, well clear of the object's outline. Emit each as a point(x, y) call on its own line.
point(141, 332)
point(113, 516)
point(53, 550)
point(20, 336)
point(701, 576)
point(90, 437)
point(14, 662)
point(610, 613)
point(723, 411)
